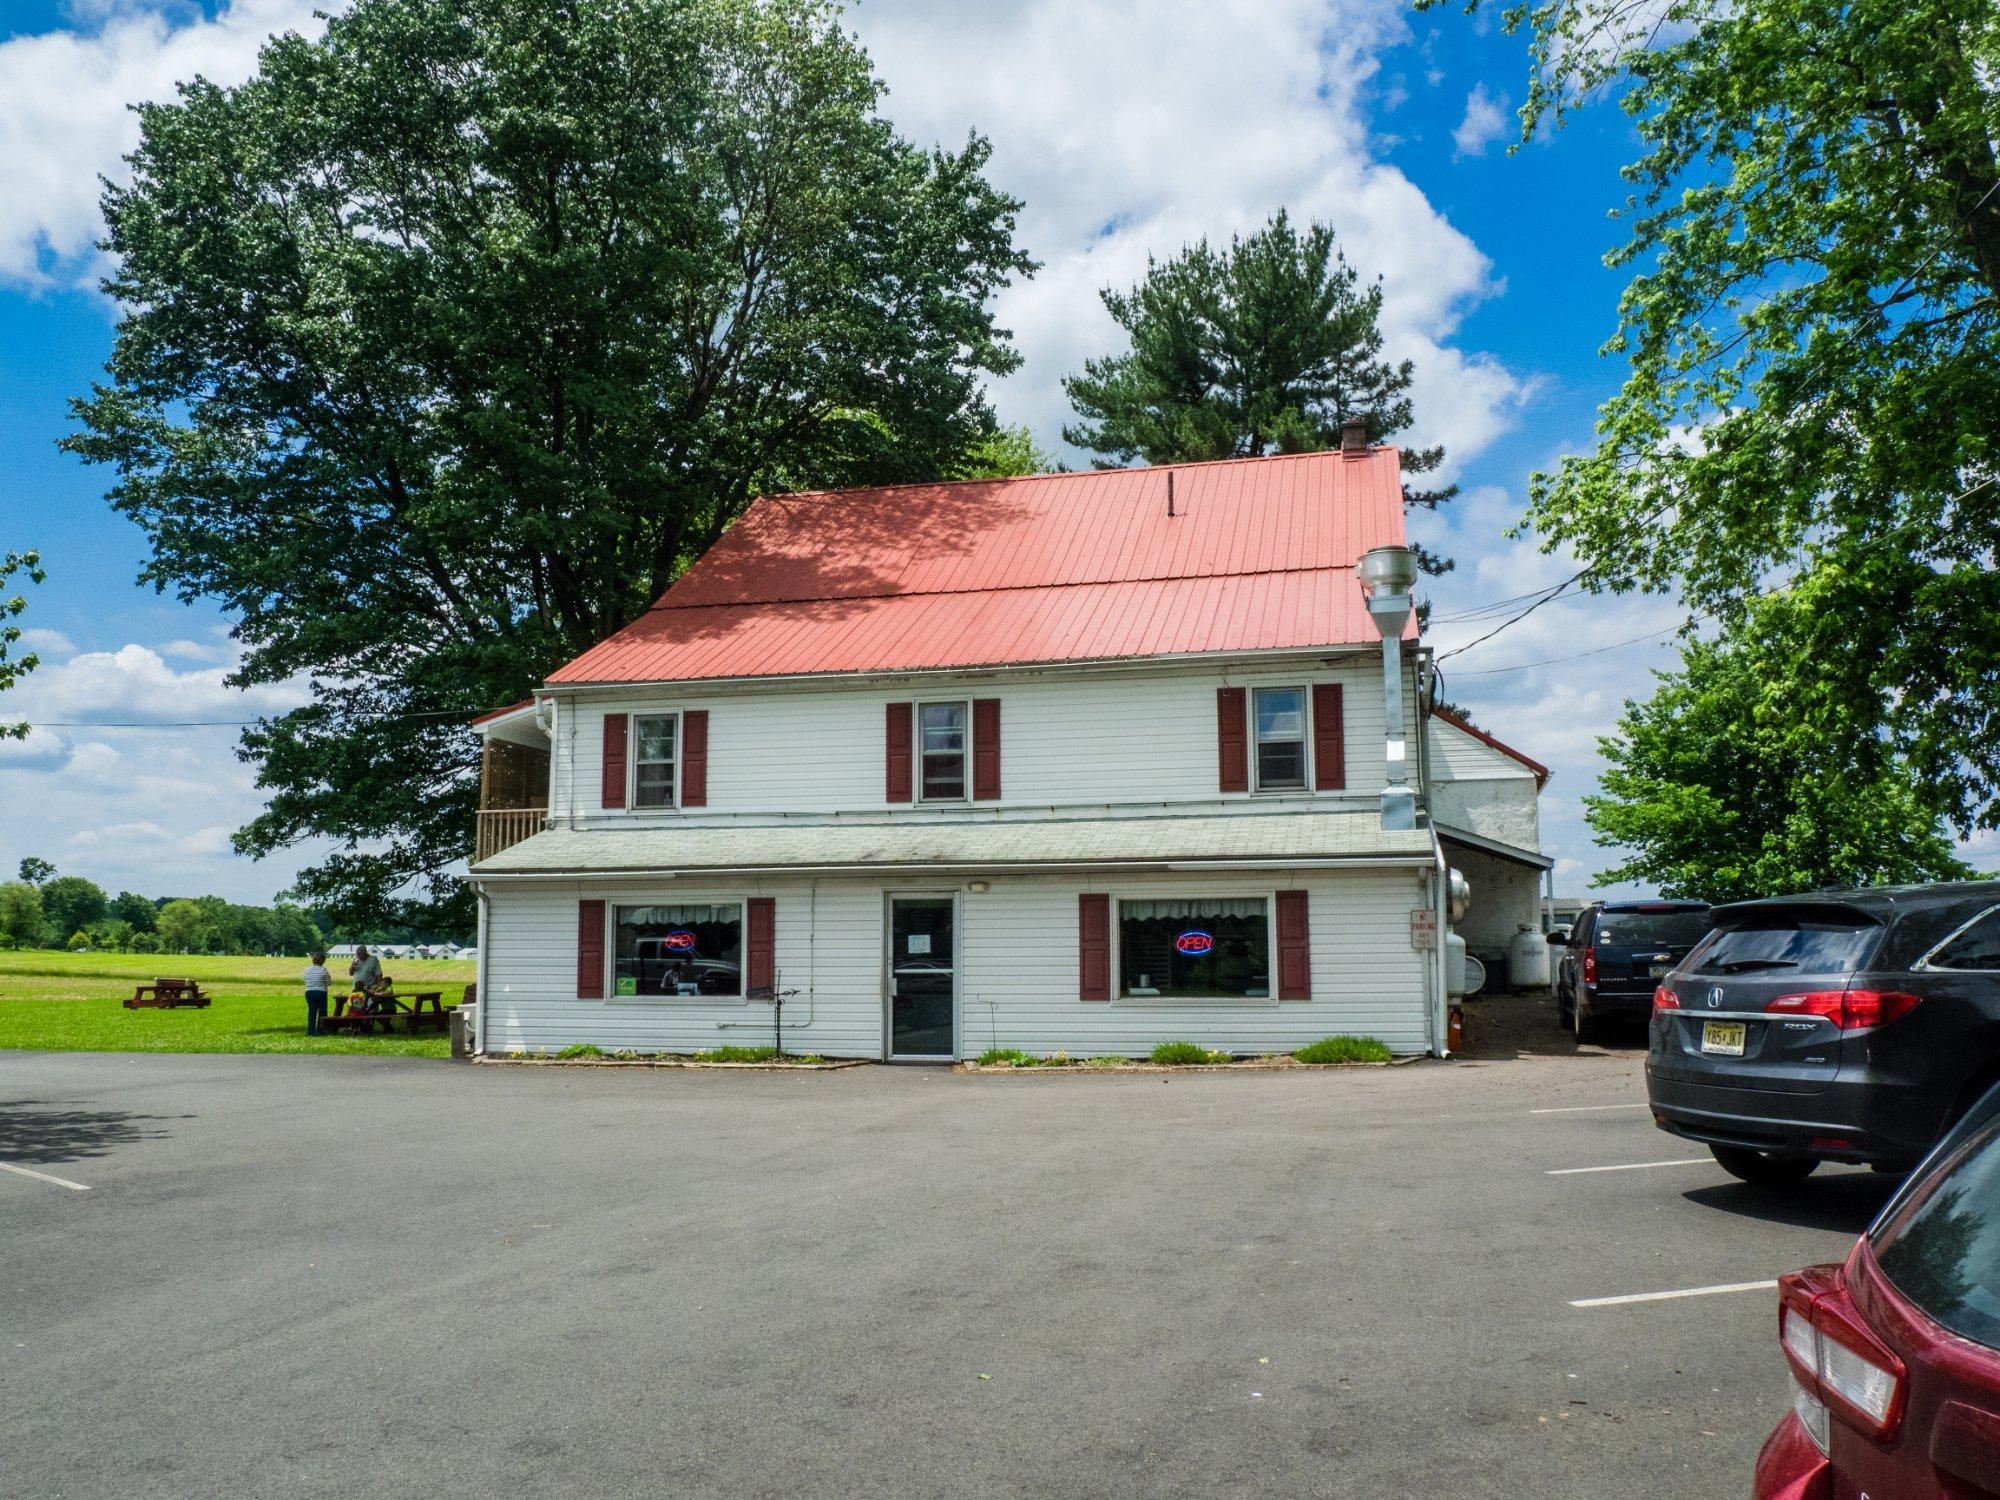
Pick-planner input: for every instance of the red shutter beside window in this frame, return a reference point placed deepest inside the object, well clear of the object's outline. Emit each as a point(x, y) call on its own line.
point(590, 950)
point(1329, 738)
point(760, 948)
point(1294, 947)
point(694, 758)
point(985, 749)
point(1233, 753)
point(614, 760)
point(899, 752)
point(1093, 937)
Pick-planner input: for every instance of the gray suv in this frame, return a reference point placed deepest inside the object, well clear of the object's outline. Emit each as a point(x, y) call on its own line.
point(1847, 1026)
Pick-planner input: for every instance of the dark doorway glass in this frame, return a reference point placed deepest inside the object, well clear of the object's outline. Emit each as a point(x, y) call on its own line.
point(923, 978)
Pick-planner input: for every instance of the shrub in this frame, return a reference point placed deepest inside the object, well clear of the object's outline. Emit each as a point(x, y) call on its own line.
point(1343, 1049)
point(1183, 1054)
point(580, 1049)
point(1010, 1057)
point(737, 1054)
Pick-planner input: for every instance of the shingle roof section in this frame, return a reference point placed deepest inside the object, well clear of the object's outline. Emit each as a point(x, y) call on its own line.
point(986, 844)
point(1258, 555)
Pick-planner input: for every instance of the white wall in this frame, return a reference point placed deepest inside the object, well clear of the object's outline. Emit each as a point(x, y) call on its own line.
point(1505, 894)
point(1018, 959)
point(1482, 790)
point(1068, 739)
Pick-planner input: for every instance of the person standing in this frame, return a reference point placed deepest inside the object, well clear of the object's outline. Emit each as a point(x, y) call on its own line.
point(318, 982)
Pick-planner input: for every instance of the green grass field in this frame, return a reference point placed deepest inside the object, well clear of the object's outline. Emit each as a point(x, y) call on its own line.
point(70, 1002)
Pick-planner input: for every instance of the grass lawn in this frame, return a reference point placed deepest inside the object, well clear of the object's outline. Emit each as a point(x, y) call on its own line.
point(70, 1002)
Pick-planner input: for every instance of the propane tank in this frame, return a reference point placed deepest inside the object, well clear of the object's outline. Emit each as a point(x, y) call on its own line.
point(1454, 965)
point(1528, 960)
point(1458, 896)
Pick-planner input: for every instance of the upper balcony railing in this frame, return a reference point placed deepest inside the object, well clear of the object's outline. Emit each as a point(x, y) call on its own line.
point(503, 827)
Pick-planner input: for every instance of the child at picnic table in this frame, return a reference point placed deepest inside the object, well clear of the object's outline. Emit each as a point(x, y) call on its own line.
point(368, 980)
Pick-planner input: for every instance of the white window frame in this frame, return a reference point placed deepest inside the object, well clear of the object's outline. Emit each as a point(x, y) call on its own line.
point(964, 705)
point(632, 802)
point(1304, 690)
point(612, 905)
point(1174, 893)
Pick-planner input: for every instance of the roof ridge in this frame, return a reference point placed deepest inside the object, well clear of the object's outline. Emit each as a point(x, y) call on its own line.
point(990, 588)
point(1194, 463)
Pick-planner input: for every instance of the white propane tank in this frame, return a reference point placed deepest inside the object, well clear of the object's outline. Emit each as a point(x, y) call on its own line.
point(1528, 960)
point(1454, 965)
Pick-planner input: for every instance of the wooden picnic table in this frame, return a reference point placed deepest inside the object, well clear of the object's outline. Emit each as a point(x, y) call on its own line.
point(166, 994)
point(422, 1011)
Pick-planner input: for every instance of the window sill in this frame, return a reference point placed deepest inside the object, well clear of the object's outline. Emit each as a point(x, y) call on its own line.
point(1190, 1002)
point(675, 1000)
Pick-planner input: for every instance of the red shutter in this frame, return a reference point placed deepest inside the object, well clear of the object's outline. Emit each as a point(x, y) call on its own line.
point(899, 752)
point(760, 948)
point(1294, 947)
point(985, 749)
point(694, 758)
point(590, 950)
point(1093, 938)
point(1329, 738)
point(1233, 754)
point(614, 760)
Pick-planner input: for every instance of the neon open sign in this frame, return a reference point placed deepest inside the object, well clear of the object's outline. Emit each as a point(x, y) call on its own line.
point(1193, 944)
point(680, 940)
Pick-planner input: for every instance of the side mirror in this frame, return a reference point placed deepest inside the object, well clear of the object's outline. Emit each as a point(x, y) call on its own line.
point(1558, 940)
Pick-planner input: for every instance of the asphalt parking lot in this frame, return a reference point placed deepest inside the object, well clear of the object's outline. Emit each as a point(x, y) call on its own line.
point(321, 1276)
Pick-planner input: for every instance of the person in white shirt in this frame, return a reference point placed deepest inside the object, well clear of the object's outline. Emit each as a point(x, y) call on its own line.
point(318, 982)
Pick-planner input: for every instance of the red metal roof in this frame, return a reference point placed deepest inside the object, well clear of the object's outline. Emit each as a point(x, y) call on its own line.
point(1259, 555)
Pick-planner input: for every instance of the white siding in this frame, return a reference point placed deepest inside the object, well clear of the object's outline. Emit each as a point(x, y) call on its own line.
point(1017, 970)
point(1482, 790)
point(1067, 740)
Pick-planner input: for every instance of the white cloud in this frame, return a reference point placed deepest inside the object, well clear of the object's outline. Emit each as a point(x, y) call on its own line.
point(1485, 122)
point(47, 643)
point(220, 649)
point(64, 116)
point(149, 808)
point(1136, 128)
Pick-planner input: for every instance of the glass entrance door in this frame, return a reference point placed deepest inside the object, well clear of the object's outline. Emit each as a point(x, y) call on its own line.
point(923, 976)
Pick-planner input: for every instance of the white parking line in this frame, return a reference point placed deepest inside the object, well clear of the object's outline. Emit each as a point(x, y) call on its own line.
point(77, 1187)
point(1633, 1166)
point(1693, 1291)
point(1586, 1109)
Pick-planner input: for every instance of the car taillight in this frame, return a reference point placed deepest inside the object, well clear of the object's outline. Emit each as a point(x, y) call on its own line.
point(1850, 1010)
point(1838, 1360)
point(1590, 966)
point(1665, 999)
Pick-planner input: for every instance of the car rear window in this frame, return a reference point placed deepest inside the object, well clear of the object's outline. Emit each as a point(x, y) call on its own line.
point(1942, 1247)
point(1652, 929)
point(1809, 944)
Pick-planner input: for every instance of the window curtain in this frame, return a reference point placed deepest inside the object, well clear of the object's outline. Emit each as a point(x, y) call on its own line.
point(1247, 906)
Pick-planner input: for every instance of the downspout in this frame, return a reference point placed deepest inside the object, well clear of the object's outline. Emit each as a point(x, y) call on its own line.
point(479, 979)
point(1440, 1001)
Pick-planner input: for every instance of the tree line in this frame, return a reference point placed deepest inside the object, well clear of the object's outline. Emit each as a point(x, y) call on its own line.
point(43, 909)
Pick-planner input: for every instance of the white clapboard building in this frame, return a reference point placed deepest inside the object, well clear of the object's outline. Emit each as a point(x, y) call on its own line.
point(1076, 762)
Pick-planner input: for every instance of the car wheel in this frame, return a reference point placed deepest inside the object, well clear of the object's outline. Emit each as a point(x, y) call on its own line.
point(1562, 1009)
point(1587, 1027)
point(1765, 1168)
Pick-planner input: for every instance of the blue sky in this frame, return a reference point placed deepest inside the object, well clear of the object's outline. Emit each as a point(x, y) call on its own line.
point(1127, 127)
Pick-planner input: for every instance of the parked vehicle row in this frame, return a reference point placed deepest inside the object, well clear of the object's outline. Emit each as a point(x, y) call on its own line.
point(1615, 953)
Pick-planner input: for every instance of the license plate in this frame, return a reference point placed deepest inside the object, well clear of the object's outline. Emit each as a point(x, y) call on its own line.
point(1724, 1038)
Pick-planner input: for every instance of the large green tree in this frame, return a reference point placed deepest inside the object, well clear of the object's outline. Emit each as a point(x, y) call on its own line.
point(71, 903)
point(1265, 346)
point(1810, 333)
point(1729, 782)
point(21, 921)
point(451, 337)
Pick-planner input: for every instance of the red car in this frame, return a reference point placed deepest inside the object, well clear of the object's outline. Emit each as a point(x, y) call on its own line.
point(1897, 1352)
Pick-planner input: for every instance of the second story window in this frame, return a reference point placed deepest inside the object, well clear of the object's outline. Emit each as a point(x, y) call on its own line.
point(941, 748)
point(653, 744)
point(1281, 738)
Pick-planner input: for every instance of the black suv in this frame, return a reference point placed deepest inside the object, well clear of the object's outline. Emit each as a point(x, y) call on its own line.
point(1615, 953)
point(1843, 1026)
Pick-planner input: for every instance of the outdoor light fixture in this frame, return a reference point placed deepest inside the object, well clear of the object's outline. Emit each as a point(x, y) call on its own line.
point(1388, 574)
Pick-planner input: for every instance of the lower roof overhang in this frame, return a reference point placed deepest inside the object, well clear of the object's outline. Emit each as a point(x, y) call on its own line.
point(1024, 846)
point(1531, 857)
